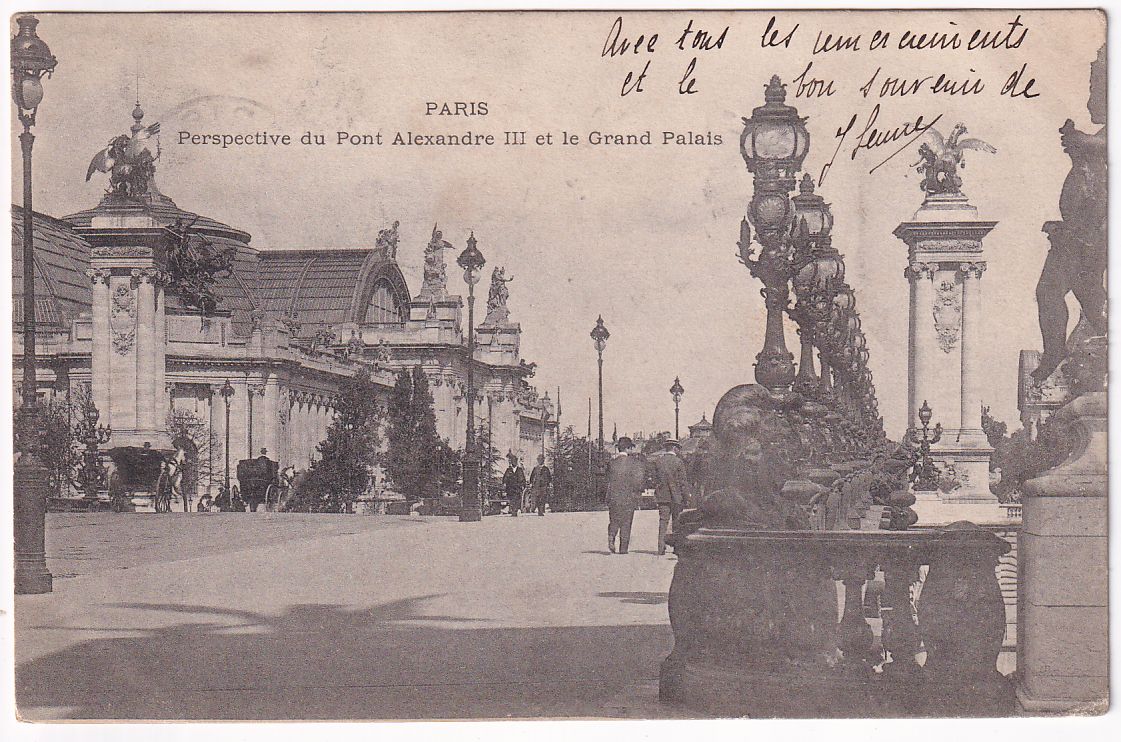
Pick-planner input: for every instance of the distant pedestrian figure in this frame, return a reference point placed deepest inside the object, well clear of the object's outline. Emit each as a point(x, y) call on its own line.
point(626, 478)
point(514, 482)
point(671, 488)
point(541, 479)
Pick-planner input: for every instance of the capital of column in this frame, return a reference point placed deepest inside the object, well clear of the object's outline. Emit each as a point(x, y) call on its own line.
point(98, 276)
point(972, 270)
point(146, 275)
point(917, 269)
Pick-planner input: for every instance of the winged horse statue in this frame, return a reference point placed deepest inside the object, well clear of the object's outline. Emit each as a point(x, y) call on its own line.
point(129, 161)
point(939, 163)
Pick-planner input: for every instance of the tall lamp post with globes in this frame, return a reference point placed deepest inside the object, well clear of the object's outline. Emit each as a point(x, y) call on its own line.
point(227, 392)
point(599, 338)
point(773, 144)
point(471, 507)
point(677, 392)
point(31, 59)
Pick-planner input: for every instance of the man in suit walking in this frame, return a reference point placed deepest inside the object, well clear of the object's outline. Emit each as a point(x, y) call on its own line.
point(671, 488)
point(540, 479)
point(514, 482)
point(626, 478)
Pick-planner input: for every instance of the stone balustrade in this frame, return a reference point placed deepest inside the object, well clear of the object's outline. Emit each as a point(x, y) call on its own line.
point(760, 628)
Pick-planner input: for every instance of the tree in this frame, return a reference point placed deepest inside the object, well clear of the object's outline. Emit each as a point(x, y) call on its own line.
point(574, 464)
point(490, 459)
point(197, 439)
point(347, 456)
point(418, 461)
point(58, 439)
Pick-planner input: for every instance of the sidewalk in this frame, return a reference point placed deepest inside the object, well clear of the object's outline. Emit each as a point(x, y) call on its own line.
point(344, 617)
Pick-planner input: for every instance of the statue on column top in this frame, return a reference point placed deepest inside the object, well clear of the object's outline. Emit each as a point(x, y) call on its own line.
point(939, 164)
point(130, 161)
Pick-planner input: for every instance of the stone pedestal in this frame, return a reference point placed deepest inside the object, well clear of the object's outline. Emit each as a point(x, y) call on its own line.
point(128, 246)
point(945, 264)
point(1063, 618)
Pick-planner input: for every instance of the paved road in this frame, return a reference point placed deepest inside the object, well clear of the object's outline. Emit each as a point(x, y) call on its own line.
point(276, 616)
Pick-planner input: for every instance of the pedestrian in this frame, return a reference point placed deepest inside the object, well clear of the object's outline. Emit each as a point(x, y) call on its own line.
point(671, 488)
point(626, 478)
point(514, 482)
point(541, 479)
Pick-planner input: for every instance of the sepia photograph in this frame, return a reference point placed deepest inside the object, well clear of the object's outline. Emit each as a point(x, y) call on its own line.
point(556, 365)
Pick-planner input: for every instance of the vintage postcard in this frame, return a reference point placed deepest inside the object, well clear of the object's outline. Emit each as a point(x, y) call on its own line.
point(559, 365)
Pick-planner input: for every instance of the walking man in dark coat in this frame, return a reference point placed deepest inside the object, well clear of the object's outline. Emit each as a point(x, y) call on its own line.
point(514, 482)
point(540, 479)
point(626, 478)
point(671, 487)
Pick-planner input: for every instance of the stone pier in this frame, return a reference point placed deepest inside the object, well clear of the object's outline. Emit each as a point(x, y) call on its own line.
point(945, 265)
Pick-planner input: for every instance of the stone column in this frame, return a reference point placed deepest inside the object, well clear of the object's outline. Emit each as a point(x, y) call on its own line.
point(101, 378)
point(267, 424)
point(945, 312)
point(971, 373)
point(922, 340)
point(143, 281)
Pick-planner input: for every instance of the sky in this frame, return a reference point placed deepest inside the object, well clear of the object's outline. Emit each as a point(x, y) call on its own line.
point(643, 235)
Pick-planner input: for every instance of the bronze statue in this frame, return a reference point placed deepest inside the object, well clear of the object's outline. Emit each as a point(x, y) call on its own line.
point(129, 160)
point(1078, 256)
point(939, 164)
point(755, 448)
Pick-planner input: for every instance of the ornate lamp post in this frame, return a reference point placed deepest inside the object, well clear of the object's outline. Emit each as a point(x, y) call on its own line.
point(773, 144)
point(599, 339)
point(227, 391)
point(31, 59)
point(924, 477)
point(471, 509)
point(677, 392)
point(819, 268)
point(92, 474)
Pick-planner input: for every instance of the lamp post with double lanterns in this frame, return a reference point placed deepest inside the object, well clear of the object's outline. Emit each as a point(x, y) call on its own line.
point(677, 392)
point(773, 144)
point(31, 60)
point(471, 508)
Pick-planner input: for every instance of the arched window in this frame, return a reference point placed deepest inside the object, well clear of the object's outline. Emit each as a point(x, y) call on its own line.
point(383, 308)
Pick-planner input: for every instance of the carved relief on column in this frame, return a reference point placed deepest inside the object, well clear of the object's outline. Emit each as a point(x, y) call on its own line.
point(947, 314)
point(122, 319)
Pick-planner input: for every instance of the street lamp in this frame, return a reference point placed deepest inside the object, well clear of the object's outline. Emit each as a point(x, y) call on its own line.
point(773, 144)
point(31, 59)
point(227, 391)
point(599, 338)
point(471, 508)
point(677, 392)
point(92, 474)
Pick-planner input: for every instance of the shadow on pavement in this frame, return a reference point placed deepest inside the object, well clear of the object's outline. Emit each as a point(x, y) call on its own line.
point(388, 661)
point(642, 598)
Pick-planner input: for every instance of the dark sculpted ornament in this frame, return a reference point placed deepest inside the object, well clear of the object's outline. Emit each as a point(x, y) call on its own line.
point(941, 158)
point(130, 161)
point(755, 448)
point(1078, 256)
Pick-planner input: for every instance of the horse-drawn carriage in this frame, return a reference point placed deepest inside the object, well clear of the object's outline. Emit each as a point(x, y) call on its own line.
point(139, 472)
point(260, 482)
